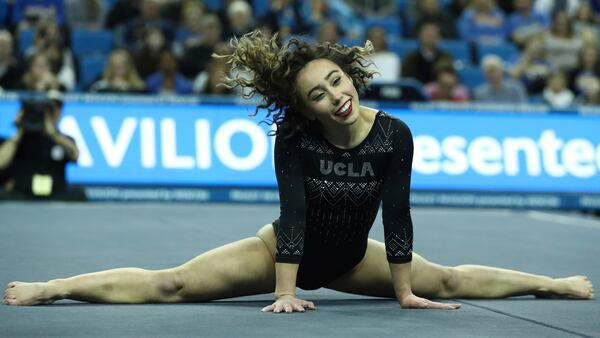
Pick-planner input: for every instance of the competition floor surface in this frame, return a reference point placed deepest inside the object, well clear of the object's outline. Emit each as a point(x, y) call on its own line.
point(46, 241)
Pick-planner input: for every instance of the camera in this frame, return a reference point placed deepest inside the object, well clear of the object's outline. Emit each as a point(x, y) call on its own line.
point(34, 115)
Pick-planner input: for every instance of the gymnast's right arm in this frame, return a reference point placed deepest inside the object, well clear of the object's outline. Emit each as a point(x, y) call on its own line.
point(290, 232)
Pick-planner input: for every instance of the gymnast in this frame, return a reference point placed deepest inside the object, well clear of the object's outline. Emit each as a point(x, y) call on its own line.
point(335, 162)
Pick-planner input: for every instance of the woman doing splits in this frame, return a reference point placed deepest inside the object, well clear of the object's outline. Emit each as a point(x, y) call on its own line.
point(336, 162)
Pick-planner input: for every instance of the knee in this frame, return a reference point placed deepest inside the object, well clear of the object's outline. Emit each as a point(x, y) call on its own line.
point(451, 281)
point(168, 282)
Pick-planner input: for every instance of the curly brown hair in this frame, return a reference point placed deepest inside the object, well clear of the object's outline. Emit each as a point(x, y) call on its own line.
point(268, 67)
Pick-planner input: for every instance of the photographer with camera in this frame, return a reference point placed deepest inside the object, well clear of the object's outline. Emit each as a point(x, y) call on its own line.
point(34, 159)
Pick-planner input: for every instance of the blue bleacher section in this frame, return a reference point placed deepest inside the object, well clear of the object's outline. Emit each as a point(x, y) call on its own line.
point(391, 25)
point(3, 11)
point(90, 69)
point(402, 47)
point(261, 7)
point(91, 47)
point(26, 40)
point(471, 76)
point(89, 42)
point(506, 51)
point(459, 50)
point(351, 42)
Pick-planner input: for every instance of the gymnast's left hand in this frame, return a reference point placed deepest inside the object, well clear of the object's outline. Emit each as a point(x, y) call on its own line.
point(410, 301)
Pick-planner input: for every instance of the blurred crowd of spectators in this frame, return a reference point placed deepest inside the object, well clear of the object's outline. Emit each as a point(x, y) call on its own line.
point(511, 51)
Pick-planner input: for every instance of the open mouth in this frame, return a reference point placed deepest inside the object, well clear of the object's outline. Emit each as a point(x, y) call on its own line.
point(345, 110)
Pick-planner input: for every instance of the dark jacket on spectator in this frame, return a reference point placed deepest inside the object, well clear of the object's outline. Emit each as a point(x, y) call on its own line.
point(416, 65)
point(10, 77)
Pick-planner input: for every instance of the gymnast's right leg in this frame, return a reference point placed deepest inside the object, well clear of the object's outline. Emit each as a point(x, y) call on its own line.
point(241, 268)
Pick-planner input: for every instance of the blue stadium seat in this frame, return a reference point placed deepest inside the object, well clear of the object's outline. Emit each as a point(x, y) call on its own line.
point(26, 40)
point(391, 24)
point(351, 42)
point(213, 5)
point(402, 47)
point(3, 11)
point(471, 77)
point(506, 51)
point(261, 7)
point(90, 69)
point(89, 42)
point(459, 50)
point(302, 38)
point(401, 5)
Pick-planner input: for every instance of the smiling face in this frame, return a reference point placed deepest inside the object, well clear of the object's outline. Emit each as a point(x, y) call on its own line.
point(327, 93)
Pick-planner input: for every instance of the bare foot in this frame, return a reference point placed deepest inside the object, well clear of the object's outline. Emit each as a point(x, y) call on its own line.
point(19, 293)
point(574, 287)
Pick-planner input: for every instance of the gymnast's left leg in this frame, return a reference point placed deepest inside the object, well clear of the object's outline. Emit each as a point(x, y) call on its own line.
point(372, 277)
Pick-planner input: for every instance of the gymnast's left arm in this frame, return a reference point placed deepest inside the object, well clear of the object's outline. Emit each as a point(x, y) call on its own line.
point(397, 222)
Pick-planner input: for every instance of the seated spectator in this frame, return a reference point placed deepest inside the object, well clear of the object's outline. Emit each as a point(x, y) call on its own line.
point(86, 14)
point(120, 75)
point(239, 19)
point(35, 158)
point(525, 23)
point(446, 87)
point(11, 68)
point(482, 22)
point(283, 16)
point(420, 63)
point(430, 12)
point(328, 32)
point(585, 19)
point(189, 32)
point(556, 94)
point(590, 37)
point(50, 39)
point(39, 75)
point(147, 59)
point(587, 70)
point(132, 36)
point(168, 80)
point(387, 63)
point(195, 58)
point(210, 81)
point(28, 13)
point(591, 94)
point(533, 68)
point(497, 89)
point(315, 12)
point(561, 44)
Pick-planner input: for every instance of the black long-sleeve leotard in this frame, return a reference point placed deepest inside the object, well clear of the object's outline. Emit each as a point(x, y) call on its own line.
point(329, 199)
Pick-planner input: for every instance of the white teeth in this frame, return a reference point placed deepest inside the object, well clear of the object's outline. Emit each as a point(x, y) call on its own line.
point(345, 108)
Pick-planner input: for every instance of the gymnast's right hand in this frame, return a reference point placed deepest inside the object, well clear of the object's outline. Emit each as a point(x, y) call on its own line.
point(289, 304)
